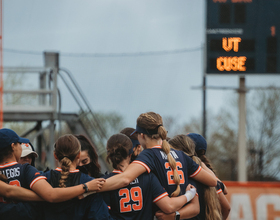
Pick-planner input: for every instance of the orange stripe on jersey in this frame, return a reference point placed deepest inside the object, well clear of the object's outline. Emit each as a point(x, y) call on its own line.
point(160, 197)
point(144, 165)
point(35, 180)
point(158, 146)
point(8, 164)
point(219, 191)
point(117, 171)
point(196, 172)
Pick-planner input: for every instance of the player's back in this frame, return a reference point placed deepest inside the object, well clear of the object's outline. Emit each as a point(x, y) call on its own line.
point(155, 160)
point(135, 201)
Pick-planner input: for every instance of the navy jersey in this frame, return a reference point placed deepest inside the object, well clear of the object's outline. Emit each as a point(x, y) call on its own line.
point(92, 207)
point(21, 210)
point(71, 180)
point(155, 160)
point(200, 191)
point(136, 200)
point(21, 175)
point(24, 176)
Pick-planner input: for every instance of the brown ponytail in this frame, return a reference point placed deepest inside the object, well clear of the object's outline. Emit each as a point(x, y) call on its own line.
point(152, 121)
point(67, 147)
point(118, 146)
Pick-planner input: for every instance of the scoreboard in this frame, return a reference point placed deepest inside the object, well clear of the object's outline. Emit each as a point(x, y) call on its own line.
point(243, 37)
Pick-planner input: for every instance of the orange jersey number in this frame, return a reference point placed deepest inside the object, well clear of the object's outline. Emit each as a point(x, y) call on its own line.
point(135, 195)
point(170, 173)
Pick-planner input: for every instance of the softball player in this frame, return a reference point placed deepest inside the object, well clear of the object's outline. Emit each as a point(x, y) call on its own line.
point(67, 150)
point(135, 201)
point(171, 167)
point(208, 200)
point(29, 177)
point(200, 149)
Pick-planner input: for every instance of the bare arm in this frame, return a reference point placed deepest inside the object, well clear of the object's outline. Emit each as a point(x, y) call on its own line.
point(18, 193)
point(191, 210)
point(169, 205)
point(225, 206)
point(45, 190)
point(121, 180)
point(206, 178)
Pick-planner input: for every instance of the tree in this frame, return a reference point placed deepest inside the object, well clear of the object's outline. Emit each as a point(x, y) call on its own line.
point(263, 136)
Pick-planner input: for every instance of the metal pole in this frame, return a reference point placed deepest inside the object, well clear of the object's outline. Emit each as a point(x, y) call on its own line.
point(204, 108)
point(52, 61)
point(242, 169)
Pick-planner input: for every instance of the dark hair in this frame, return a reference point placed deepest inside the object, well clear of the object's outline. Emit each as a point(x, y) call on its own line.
point(66, 148)
point(204, 159)
point(128, 131)
point(118, 147)
point(5, 152)
point(152, 121)
point(86, 145)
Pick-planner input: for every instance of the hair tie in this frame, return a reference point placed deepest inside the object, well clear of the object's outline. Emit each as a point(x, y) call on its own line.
point(159, 125)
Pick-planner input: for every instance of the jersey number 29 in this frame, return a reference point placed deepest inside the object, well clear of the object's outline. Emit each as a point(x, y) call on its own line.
point(135, 195)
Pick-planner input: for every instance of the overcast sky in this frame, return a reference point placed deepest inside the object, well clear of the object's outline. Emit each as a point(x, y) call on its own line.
point(128, 85)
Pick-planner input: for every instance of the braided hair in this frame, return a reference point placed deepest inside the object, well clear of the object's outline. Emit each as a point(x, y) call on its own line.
point(67, 147)
point(153, 121)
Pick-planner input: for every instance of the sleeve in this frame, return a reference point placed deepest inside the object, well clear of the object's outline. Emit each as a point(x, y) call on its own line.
point(32, 175)
point(219, 187)
point(193, 167)
point(47, 175)
point(146, 159)
point(157, 189)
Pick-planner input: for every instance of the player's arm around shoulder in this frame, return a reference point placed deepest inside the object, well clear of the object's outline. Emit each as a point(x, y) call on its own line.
point(123, 179)
point(191, 210)
point(18, 193)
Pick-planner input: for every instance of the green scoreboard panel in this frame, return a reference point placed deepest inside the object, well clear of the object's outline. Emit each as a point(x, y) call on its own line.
point(243, 37)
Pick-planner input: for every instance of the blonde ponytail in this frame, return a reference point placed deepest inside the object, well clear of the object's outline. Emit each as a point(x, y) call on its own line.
point(212, 205)
point(153, 121)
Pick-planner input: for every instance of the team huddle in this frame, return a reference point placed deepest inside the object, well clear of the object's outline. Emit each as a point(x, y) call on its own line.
point(153, 177)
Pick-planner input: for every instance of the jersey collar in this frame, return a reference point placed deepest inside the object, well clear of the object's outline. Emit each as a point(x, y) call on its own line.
point(157, 146)
point(8, 164)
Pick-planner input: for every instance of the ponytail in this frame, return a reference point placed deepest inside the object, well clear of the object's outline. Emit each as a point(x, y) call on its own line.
point(67, 148)
point(172, 162)
point(65, 167)
point(152, 123)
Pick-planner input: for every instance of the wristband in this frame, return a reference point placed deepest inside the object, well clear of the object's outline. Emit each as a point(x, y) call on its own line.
point(177, 215)
point(85, 187)
point(88, 193)
point(190, 194)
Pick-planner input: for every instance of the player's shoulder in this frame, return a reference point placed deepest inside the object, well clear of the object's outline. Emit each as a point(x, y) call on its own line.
point(108, 175)
point(85, 176)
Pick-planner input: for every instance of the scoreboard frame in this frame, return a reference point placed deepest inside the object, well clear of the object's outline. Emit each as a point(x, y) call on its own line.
point(242, 37)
